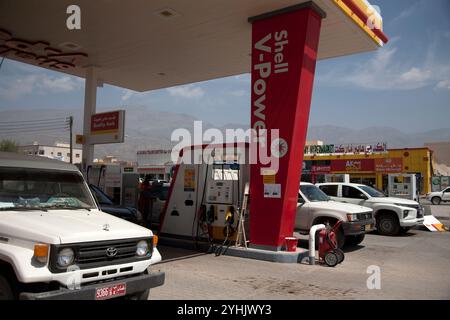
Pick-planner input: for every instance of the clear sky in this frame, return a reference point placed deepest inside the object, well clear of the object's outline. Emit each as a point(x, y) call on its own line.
point(405, 85)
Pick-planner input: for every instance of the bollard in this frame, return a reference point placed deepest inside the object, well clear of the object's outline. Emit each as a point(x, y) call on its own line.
point(312, 240)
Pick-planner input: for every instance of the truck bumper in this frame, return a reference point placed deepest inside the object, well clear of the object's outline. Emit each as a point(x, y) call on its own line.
point(134, 284)
point(411, 223)
point(358, 227)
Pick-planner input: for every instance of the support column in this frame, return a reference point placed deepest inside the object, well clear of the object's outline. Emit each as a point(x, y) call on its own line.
point(90, 105)
point(284, 52)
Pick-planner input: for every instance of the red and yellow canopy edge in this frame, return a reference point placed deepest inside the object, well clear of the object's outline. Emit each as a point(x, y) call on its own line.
point(359, 12)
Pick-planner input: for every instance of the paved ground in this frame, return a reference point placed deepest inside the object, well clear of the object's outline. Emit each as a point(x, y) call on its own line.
point(413, 266)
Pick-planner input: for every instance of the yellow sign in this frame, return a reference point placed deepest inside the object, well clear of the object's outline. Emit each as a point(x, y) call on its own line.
point(79, 139)
point(269, 176)
point(189, 179)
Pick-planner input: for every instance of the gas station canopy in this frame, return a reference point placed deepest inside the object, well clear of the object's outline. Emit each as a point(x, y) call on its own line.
point(144, 45)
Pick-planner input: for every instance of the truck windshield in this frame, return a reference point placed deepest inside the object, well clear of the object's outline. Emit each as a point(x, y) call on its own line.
point(372, 192)
point(26, 188)
point(313, 193)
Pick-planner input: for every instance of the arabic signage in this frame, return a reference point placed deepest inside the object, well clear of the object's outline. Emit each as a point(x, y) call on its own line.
point(320, 169)
point(107, 127)
point(154, 152)
point(346, 148)
point(389, 165)
point(357, 165)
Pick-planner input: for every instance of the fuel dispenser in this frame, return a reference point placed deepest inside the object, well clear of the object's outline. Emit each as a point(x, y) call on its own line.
point(344, 178)
point(120, 184)
point(403, 186)
point(204, 199)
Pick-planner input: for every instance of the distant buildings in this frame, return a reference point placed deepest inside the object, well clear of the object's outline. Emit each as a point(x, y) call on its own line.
point(59, 151)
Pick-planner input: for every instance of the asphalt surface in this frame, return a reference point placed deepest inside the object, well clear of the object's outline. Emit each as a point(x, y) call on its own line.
point(413, 266)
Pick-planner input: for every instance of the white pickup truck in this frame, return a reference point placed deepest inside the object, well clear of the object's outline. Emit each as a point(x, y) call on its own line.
point(439, 196)
point(392, 215)
point(56, 244)
point(315, 207)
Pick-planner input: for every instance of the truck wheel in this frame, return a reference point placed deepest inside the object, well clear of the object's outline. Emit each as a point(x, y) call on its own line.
point(436, 201)
point(340, 238)
point(354, 240)
point(388, 225)
point(6, 292)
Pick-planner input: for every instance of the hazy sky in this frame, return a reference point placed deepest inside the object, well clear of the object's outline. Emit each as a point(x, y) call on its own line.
point(405, 85)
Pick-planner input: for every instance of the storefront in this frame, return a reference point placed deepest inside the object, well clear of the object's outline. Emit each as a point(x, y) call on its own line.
point(370, 168)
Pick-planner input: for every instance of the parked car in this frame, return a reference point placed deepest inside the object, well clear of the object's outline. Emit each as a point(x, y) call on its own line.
point(55, 243)
point(315, 207)
point(392, 215)
point(107, 205)
point(440, 196)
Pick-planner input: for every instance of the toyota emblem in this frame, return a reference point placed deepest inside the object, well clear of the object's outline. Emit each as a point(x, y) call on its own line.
point(111, 252)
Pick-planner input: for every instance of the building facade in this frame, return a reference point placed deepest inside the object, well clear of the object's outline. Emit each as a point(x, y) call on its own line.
point(60, 151)
point(369, 167)
point(156, 164)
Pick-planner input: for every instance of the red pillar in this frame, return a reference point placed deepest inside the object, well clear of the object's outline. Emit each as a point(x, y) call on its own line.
point(284, 52)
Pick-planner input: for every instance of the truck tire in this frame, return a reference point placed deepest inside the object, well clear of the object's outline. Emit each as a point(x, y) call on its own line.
point(6, 292)
point(388, 225)
point(436, 201)
point(354, 240)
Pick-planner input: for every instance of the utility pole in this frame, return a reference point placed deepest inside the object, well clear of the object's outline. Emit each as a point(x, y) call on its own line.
point(71, 138)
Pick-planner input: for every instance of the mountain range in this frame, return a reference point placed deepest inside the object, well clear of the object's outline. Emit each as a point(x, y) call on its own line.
point(149, 129)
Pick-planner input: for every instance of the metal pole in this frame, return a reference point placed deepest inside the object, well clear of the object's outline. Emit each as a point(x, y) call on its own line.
point(90, 100)
point(71, 138)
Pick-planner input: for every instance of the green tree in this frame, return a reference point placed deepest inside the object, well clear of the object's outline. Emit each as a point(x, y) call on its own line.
point(7, 145)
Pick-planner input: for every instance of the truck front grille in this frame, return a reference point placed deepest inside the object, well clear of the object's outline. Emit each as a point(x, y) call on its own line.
point(98, 254)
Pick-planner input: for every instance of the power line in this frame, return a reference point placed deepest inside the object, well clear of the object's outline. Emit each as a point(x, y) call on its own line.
point(36, 126)
point(18, 131)
point(37, 120)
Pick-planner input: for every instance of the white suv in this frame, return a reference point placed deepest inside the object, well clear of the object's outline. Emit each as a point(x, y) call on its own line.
point(55, 243)
point(440, 196)
point(392, 215)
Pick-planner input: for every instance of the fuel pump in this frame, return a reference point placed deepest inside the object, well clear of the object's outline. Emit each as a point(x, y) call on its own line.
point(204, 199)
point(403, 186)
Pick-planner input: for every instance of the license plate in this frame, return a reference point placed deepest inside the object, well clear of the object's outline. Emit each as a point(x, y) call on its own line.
point(109, 292)
point(368, 227)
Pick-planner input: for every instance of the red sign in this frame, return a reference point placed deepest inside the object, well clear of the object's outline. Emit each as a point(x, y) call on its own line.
point(320, 169)
point(107, 122)
point(352, 165)
point(389, 165)
point(284, 53)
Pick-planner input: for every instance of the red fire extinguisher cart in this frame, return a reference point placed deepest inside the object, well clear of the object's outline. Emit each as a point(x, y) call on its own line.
point(329, 252)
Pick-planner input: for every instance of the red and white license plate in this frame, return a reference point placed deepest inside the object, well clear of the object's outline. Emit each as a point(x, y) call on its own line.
point(109, 292)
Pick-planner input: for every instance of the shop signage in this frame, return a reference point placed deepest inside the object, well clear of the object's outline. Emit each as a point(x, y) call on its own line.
point(154, 152)
point(356, 165)
point(389, 165)
point(320, 169)
point(107, 127)
point(346, 148)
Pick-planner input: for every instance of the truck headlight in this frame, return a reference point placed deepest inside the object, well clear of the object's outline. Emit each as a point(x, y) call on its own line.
point(65, 257)
point(352, 217)
point(142, 248)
